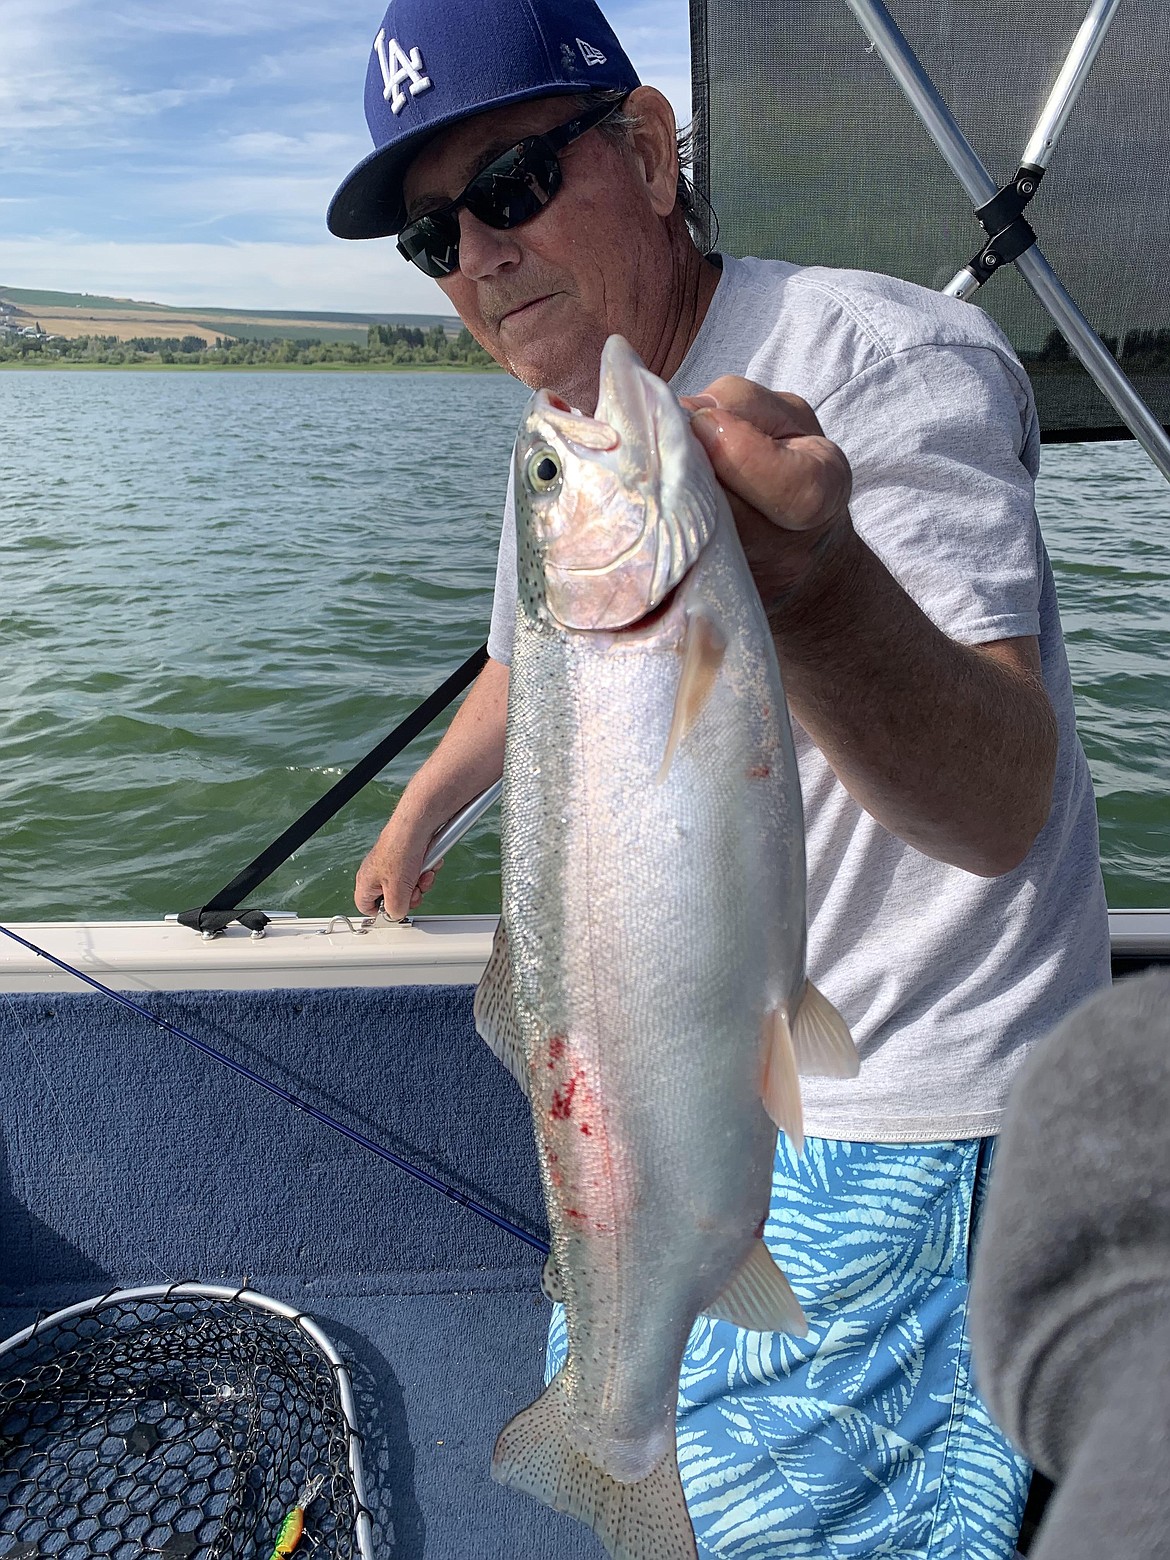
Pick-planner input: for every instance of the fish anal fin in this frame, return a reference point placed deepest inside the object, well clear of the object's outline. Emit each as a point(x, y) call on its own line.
point(781, 1085)
point(494, 1010)
point(704, 647)
point(821, 1040)
point(642, 1520)
point(760, 1297)
point(550, 1279)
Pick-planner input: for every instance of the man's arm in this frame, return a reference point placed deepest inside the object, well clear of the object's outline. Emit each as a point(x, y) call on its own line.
point(469, 758)
point(950, 747)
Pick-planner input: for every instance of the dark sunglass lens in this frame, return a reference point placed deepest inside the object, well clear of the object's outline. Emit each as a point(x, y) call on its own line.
point(432, 243)
point(516, 186)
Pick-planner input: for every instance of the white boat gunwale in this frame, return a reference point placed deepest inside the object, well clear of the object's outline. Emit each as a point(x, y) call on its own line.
point(317, 952)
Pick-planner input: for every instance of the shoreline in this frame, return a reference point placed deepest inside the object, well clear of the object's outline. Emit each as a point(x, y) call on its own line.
point(251, 368)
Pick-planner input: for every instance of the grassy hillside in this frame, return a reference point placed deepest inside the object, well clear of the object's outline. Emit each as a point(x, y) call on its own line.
point(89, 314)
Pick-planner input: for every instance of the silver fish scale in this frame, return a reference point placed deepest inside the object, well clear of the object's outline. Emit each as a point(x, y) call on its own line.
point(651, 928)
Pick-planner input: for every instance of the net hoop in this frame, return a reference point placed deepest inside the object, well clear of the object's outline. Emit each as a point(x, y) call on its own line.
point(254, 1300)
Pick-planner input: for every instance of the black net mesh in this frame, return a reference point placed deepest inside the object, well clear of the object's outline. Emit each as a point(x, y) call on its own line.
point(184, 1428)
point(809, 152)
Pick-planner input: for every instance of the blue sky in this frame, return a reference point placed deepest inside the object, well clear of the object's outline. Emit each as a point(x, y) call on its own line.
point(186, 153)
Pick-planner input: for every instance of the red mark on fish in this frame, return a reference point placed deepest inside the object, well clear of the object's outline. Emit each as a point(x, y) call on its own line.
point(562, 1101)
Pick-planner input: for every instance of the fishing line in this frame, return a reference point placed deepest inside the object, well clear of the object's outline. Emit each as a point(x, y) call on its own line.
point(290, 1099)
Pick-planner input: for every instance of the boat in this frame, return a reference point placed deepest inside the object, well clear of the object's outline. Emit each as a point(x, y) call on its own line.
point(213, 1122)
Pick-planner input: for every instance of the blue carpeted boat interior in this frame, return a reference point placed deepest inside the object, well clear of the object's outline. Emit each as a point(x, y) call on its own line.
point(126, 1158)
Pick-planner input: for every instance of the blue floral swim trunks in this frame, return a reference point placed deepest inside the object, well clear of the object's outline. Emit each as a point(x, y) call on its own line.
point(867, 1438)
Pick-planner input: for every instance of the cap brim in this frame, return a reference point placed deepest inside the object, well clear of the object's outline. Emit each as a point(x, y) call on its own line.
point(369, 202)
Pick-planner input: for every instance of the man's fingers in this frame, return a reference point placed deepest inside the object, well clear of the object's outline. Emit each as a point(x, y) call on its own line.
point(796, 478)
point(774, 412)
point(380, 883)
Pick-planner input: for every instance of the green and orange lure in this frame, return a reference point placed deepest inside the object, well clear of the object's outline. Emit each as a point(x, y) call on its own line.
point(293, 1525)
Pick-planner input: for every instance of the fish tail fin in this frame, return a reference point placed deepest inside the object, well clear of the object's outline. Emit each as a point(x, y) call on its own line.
point(645, 1520)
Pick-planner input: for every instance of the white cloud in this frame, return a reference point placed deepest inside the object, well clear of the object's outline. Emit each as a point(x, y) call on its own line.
point(245, 129)
point(34, 91)
point(271, 146)
point(349, 277)
point(51, 79)
point(224, 18)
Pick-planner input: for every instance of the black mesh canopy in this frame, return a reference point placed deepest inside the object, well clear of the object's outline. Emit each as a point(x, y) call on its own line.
point(808, 152)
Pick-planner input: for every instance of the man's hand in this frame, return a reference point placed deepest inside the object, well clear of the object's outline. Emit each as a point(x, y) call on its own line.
point(392, 870)
point(788, 484)
point(469, 758)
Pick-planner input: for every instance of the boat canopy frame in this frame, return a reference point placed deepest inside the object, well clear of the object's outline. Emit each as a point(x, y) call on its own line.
point(827, 175)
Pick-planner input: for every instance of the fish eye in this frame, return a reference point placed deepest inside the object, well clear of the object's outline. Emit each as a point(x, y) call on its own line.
point(543, 469)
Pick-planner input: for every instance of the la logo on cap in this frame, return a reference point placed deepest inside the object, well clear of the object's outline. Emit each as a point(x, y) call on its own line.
point(398, 69)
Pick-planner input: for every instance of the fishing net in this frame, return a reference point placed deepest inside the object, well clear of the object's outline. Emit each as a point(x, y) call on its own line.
point(809, 152)
point(184, 1422)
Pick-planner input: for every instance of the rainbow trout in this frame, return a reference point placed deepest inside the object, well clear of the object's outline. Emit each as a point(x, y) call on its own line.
point(647, 984)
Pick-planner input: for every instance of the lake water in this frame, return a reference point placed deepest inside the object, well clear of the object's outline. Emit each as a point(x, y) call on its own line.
point(220, 590)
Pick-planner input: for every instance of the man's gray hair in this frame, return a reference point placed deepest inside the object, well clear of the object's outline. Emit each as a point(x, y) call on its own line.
point(700, 218)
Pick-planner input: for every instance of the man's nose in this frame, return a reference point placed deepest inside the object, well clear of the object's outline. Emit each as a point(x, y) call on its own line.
point(484, 250)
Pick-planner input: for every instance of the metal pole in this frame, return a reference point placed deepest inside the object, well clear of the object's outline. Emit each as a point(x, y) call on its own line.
point(1073, 74)
point(1054, 115)
point(454, 831)
point(928, 104)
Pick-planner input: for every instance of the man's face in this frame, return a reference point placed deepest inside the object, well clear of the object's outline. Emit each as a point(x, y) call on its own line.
point(543, 297)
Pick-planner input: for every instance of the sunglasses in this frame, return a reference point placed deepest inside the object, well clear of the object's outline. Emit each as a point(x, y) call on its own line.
point(509, 191)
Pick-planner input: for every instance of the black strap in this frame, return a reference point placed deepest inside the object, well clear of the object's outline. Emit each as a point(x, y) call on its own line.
point(220, 909)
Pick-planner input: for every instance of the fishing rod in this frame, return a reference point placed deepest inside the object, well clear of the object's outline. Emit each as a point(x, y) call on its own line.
point(290, 1099)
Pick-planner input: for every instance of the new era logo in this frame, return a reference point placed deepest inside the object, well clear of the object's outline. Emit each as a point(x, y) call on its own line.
point(589, 54)
point(399, 68)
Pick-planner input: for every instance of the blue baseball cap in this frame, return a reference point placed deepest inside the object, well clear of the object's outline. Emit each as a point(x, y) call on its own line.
point(438, 61)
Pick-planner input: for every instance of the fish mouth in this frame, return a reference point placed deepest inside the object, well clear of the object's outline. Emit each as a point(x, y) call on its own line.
point(623, 402)
point(574, 427)
point(618, 568)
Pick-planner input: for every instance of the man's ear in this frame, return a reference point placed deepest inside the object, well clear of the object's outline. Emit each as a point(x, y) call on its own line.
point(655, 140)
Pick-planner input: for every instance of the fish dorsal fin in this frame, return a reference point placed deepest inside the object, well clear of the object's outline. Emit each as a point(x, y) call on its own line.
point(760, 1297)
point(704, 647)
point(821, 1040)
point(639, 1519)
point(495, 1010)
point(781, 1087)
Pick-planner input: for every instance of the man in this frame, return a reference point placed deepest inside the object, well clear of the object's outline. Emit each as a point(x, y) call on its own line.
point(955, 899)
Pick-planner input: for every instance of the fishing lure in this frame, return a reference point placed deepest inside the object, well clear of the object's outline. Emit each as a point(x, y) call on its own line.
point(294, 1524)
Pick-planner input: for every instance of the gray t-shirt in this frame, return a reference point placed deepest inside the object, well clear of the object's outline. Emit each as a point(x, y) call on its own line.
point(944, 978)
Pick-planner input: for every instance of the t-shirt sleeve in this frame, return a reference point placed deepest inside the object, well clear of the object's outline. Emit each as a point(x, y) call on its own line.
point(503, 629)
point(943, 445)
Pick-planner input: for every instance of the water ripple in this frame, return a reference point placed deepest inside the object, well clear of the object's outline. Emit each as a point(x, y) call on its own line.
point(220, 591)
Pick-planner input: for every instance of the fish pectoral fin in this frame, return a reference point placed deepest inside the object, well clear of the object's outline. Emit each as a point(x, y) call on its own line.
point(760, 1297)
point(781, 1086)
point(495, 1010)
point(704, 647)
point(642, 1520)
point(550, 1280)
point(821, 1040)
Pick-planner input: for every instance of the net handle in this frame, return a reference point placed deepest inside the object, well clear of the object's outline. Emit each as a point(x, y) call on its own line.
point(363, 1531)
